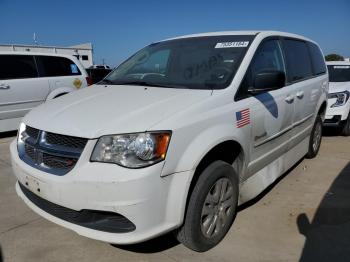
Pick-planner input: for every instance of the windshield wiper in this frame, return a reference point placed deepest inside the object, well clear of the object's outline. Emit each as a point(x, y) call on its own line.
point(145, 83)
point(106, 81)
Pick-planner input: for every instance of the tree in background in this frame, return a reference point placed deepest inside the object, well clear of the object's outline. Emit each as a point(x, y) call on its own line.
point(334, 57)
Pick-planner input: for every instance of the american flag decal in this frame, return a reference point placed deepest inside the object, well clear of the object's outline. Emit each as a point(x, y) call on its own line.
point(243, 117)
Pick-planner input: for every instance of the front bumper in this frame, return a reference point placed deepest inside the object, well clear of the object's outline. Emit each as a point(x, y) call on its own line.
point(152, 203)
point(335, 115)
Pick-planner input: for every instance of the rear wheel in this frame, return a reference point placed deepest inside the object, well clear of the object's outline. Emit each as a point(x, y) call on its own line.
point(211, 209)
point(346, 127)
point(315, 138)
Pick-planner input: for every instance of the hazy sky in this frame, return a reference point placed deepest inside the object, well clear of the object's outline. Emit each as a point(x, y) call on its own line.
point(118, 29)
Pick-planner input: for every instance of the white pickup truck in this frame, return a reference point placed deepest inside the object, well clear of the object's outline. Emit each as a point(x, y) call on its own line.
point(175, 138)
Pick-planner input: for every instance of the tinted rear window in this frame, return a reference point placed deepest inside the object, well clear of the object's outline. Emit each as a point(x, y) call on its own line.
point(298, 60)
point(318, 63)
point(56, 66)
point(17, 66)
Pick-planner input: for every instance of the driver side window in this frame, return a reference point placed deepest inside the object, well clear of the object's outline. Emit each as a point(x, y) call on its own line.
point(268, 57)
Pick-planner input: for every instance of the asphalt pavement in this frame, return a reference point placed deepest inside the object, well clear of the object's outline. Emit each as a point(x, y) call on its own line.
point(304, 216)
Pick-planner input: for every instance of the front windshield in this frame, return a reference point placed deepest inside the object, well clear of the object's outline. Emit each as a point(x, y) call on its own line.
point(196, 63)
point(339, 73)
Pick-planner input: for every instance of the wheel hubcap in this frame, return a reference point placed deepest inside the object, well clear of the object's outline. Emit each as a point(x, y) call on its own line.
point(218, 207)
point(317, 137)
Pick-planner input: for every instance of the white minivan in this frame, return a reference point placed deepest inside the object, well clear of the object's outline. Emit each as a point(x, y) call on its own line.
point(175, 138)
point(338, 110)
point(28, 79)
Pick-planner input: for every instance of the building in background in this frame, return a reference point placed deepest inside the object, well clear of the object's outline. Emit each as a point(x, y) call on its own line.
point(347, 59)
point(83, 51)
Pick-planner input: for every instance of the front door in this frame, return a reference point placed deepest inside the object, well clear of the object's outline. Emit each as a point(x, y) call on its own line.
point(271, 112)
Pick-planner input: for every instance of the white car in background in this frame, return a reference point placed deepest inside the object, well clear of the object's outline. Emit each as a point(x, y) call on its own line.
point(338, 108)
point(28, 79)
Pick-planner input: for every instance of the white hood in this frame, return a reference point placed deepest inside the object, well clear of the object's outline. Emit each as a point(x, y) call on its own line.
point(335, 87)
point(114, 109)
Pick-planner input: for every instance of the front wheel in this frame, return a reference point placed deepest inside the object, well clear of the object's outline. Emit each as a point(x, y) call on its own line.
point(315, 138)
point(211, 209)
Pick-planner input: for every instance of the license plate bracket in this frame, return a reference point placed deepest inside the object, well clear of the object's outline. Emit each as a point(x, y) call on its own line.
point(33, 184)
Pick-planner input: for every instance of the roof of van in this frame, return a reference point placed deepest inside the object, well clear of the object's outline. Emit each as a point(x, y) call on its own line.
point(338, 63)
point(264, 32)
point(33, 53)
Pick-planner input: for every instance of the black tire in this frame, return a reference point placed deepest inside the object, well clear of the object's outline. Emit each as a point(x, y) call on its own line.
point(191, 232)
point(315, 138)
point(346, 127)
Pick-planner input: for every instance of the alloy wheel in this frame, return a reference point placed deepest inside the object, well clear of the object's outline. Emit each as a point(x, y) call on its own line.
point(217, 208)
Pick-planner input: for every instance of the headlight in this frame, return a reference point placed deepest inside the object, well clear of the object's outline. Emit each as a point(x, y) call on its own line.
point(342, 98)
point(132, 150)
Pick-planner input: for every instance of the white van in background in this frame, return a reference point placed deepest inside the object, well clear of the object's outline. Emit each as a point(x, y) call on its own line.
point(29, 79)
point(338, 99)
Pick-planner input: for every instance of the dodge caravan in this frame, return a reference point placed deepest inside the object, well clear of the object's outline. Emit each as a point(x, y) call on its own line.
point(175, 138)
point(338, 109)
point(28, 79)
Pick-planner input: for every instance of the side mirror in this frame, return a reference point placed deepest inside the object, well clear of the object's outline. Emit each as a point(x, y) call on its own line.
point(268, 80)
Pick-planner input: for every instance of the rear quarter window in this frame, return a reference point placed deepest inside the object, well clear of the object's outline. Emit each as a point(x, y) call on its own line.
point(298, 60)
point(56, 66)
point(17, 67)
point(319, 66)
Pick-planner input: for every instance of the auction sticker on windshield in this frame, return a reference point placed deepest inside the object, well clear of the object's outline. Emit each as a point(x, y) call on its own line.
point(232, 44)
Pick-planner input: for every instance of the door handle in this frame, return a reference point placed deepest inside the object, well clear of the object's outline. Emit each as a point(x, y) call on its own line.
point(300, 94)
point(4, 87)
point(289, 99)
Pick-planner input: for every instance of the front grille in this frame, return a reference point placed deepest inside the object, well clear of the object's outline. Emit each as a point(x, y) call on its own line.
point(32, 132)
point(30, 151)
point(53, 153)
point(67, 141)
point(99, 220)
point(58, 162)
